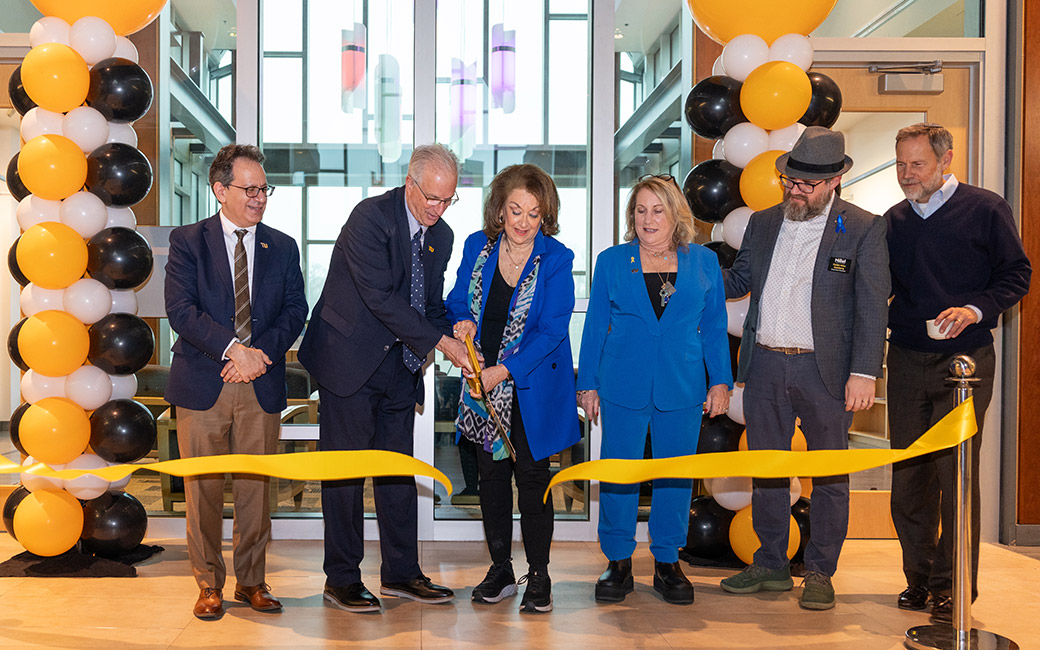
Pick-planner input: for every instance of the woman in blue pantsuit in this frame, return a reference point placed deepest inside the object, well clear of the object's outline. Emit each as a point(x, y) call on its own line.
point(656, 320)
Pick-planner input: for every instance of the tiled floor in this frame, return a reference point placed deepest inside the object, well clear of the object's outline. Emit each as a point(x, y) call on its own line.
point(153, 611)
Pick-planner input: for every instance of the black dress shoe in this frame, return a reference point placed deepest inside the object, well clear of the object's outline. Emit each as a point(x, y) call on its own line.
point(915, 598)
point(942, 610)
point(353, 598)
point(616, 581)
point(670, 582)
point(419, 588)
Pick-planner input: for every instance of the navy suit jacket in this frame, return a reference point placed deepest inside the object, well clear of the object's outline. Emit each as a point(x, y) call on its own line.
point(200, 304)
point(632, 358)
point(542, 367)
point(365, 307)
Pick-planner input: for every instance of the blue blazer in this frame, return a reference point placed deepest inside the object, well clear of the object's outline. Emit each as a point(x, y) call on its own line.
point(200, 304)
point(542, 366)
point(633, 359)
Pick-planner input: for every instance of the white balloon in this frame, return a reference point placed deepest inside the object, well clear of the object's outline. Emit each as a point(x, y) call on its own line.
point(718, 68)
point(736, 405)
point(124, 301)
point(736, 310)
point(39, 121)
point(85, 213)
point(122, 132)
point(794, 48)
point(734, 226)
point(731, 492)
point(88, 386)
point(123, 386)
point(86, 486)
point(743, 54)
point(718, 152)
point(796, 490)
point(88, 300)
point(49, 29)
point(119, 217)
point(86, 127)
point(34, 299)
point(36, 386)
point(718, 233)
point(33, 210)
point(784, 139)
point(121, 484)
point(92, 38)
point(125, 49)
point(32, 482)
point(745, 141)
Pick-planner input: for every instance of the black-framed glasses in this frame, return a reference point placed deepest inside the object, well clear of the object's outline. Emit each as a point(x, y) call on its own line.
point(433, 200)
point(663, 177)
point(806, 187)
point(253, 190)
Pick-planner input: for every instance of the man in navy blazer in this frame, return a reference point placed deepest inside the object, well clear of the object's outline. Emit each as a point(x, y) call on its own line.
point(234, 296)
point(379, 316)
point(813, 340)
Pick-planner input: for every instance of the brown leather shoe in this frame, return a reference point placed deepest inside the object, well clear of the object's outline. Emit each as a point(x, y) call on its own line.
point(210, 604)
point(258, 597)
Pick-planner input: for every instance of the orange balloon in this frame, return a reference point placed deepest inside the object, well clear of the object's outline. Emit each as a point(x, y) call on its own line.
point(768, 19)
point(125, 16)
point(54, 430)
point(48, 522)
point(744, 540)
point(775, 95)
point(760, 182)
point(53, 343)
point(797, 442)
point(52, 167)
point(56, 77)
point(51, 255)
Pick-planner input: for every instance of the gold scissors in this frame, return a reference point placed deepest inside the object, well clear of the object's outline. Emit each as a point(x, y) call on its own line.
point(477, 387)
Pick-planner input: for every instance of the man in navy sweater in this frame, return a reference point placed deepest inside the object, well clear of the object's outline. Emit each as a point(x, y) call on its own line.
point(957, 261)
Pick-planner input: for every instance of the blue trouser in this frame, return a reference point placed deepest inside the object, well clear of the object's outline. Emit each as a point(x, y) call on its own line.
point(780, 388)
point(672, 433)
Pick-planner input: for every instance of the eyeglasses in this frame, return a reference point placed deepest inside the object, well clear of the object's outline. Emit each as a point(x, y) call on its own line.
point(253, 190)
point(663, 177)
point(806, 187)
point(434, 201)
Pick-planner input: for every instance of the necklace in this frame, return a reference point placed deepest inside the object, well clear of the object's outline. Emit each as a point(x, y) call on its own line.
point(512, 260)
point(660, 255)
point(667, 288)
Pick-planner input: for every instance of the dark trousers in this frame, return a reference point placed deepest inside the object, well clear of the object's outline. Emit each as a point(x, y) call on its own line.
point(924, 488)
point(779, 389)
point(380, 415)
point(496, 499)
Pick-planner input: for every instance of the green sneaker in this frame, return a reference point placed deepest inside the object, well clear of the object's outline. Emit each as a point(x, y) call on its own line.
point(756, 577)
point(817, 592)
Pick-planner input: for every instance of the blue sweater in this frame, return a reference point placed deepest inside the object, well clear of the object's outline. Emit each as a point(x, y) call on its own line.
point(967, 252)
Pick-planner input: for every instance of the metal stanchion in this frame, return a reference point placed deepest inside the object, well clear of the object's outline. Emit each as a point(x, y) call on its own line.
point(960, 635)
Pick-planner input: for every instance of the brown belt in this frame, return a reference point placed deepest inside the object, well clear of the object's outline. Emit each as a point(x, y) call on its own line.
point(786, 350)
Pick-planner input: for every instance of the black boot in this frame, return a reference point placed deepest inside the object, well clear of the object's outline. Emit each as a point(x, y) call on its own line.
point(670, 582)
point(616, 581)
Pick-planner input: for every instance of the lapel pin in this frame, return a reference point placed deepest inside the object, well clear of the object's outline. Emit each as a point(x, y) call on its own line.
point(840, 228)
point(430, 248)
point(632, 260)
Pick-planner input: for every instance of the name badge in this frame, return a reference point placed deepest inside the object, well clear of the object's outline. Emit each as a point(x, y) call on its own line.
point(839, 264)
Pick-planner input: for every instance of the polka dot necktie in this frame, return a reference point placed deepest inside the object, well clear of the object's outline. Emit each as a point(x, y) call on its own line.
point(418, 297)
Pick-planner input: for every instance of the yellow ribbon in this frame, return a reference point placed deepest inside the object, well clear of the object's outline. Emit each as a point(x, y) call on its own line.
point(956, 427)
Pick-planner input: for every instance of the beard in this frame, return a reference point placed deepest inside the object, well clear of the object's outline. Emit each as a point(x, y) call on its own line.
point(803, 207)
point(923, 190)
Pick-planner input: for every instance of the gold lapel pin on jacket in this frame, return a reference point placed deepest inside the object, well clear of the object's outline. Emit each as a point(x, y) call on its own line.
point(430, 248)
point(263, 244)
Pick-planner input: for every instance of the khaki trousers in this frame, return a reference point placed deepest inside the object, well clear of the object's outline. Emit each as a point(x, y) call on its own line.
point(234, 425)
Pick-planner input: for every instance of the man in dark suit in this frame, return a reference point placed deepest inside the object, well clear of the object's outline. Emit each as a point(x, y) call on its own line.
point(379, 316)
point(234, 296)
point(817, 270)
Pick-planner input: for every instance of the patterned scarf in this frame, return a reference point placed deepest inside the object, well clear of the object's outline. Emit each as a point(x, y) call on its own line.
point(473, 420)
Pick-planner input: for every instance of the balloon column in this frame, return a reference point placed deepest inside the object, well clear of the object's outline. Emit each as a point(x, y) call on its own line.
point(79, 90)
point(759, 99)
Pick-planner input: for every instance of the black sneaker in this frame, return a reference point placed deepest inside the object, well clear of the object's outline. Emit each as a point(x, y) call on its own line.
point(538, 595)
point(498, 584)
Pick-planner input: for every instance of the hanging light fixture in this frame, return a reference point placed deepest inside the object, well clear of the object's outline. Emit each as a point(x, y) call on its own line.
point(388, 108)
point(503, 68)
point(352, 74)
point(462, 100)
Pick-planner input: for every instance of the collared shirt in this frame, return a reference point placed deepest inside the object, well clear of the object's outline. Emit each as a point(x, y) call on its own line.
point(414, 225)
point(937, 199)
point(230, 242)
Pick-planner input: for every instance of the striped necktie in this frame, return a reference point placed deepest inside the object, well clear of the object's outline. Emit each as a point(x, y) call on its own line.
point(243, 320)
point(417, 297)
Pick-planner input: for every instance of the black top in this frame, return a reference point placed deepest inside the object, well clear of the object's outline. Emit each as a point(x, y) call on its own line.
point(496, 313)
point(654, 282)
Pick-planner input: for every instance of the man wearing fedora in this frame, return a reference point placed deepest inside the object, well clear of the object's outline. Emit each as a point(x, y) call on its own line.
point(817, 270)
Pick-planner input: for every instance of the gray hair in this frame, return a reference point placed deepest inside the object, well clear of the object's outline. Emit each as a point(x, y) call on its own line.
point(434, 154)
point(938, 137)
point(222, 170)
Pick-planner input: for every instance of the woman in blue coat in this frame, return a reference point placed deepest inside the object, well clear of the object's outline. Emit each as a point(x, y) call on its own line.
point(656, 320)
point(514, 295)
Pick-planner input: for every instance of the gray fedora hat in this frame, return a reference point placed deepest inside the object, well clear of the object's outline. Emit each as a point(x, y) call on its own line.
point(819, 154)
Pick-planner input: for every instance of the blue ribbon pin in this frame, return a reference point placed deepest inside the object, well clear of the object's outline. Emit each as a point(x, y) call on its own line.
point(840, 228)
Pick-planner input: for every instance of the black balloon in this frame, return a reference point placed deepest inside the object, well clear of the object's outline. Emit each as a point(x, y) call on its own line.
point(12, 346)
point(19, 98)
point(726, 253)
point(14, 182)
point(800, 511)
point(708, 534)
point(119, 89)
point(119, 258)
point(118, 174)
point(712, 189)
point(120, 344)
point(718, 434)
point(122, 431)
point(713, 106)
point(15, 427)
point(825, 103)
point(13, 500)
point(113, 524)
point(12, 264)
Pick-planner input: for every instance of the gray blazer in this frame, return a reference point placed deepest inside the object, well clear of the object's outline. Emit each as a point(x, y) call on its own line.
point(849, 310)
